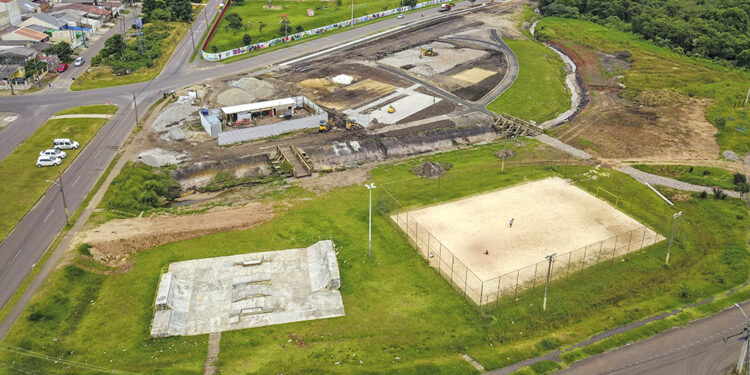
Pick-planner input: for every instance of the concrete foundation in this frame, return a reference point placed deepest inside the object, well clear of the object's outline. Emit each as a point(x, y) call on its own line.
point(249, 290)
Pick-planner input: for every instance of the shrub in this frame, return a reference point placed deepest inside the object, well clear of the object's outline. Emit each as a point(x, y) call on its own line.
point(140, 187)
point(161, 15)
point(247, 39)
point(719, 194)
point(703, 194)
point(84, 249)
point(739, 178)
point(548, 343)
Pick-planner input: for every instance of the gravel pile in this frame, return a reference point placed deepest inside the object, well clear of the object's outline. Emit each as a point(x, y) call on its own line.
point(431, 169)
point(157, 157)
point(233, 96)
point(257, 89)
point(731, 156)
point(175, 114)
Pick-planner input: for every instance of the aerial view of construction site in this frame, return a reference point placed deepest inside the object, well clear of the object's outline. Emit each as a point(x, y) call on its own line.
point(502, 187)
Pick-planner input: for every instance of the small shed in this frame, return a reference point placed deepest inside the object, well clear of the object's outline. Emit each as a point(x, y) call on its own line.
point(310, 13)
point(247, 112)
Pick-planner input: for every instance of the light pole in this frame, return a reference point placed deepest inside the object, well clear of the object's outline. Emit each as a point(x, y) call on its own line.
point(674, 229)
point(370, 187)
point(135, 105)
point(745, 338)
point(62, 192)
point(352, 21)
point(546, 287)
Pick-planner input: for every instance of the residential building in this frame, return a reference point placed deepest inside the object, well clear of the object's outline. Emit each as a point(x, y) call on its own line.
point(10, 13)
point(22, 33)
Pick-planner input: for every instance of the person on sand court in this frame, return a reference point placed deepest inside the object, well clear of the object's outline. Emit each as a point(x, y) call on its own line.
point(486, 252)
point(511, 222)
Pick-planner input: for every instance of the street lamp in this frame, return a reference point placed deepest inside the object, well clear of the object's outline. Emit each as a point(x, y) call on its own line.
point(546, 287)
point(352, 20)
point(745, 338)
point(135, 105)
point(370, 187)
point(674, 229)
point(62, 191)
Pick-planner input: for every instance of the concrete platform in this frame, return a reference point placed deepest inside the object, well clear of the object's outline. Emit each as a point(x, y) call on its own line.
point(249, 290)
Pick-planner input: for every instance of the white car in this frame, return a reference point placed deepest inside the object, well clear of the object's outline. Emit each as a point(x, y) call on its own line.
point(400, 16)
point(53, 152)
point(46, 161)
point(79, 61)
point(65, 144)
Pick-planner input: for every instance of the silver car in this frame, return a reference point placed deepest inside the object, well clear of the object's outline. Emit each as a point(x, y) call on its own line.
point(46, 161)
point(54, 152)
point(79, 61)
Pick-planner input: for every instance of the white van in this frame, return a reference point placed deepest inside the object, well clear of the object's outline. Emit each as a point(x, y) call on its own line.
point(65, 144)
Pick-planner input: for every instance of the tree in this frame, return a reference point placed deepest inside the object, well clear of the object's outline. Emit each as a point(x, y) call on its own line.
point(149, 6)
point(299, 28)
point(739, 178)
point(247, 39)
point(62, 50)
point(114, 46)
point(234, 20)
point(261, 25)
point(34, 67)
point(161, 15)
point(410, 3)
point(181, 10)
point(743, 189)
point(743, 58)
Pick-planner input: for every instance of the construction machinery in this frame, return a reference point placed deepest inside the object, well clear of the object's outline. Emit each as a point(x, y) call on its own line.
point(351, 125)
point(325, 125)
point(427, 52)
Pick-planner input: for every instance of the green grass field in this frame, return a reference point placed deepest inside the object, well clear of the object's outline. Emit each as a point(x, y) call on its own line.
point(253, 14)
point(29, 182)
point(705, 176)
point(101, 76)
point(401, 316)
point(656, 68)
point(89, 109)
point(539, 92)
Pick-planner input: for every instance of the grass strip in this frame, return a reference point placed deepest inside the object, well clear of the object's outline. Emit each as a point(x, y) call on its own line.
point(89, 109)
point(539, 92)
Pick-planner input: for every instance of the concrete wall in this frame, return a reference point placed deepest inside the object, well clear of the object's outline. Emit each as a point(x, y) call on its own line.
point(264, 131)
point(10, 14)
point(211, 127)
point(198, 175)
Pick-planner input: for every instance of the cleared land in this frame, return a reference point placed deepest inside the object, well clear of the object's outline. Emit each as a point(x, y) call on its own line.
point(28, 182)
point(549, 216)
point(539, 92)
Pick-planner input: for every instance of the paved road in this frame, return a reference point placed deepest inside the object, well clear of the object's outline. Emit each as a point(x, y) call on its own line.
point(697, 348)
point(34, 233)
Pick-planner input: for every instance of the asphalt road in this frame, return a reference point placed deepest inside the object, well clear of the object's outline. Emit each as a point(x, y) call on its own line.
point(697, 348)
point(23, 247)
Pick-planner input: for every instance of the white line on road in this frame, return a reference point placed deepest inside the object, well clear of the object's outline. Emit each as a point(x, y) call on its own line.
point(74, 182)
point(48, 215)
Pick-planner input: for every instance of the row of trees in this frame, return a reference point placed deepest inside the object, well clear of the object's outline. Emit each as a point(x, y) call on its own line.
point(715, 29)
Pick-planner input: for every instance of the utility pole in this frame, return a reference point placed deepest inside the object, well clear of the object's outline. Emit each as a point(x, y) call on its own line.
point(62, 192)
point(352, 21)
point(546, 287)
point(135, 105)
point(370, 187)
point(745, 338)
point(674, 229)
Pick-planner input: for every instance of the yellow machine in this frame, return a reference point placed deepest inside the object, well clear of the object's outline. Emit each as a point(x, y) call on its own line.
point(391, 109)
point(351, 125)
point(427, 52)
point(325, 126)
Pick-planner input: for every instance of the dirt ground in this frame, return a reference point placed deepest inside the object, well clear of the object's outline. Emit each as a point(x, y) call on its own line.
point(615, 128)
point(549, 216)
point(113, 241)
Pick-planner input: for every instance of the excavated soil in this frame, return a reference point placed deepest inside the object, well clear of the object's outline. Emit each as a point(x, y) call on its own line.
point(114, 241)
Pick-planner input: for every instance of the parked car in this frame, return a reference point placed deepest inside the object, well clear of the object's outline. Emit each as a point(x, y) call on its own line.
point(62, 67)
point(79, 61)
point(46, 161)
point(65, 144)
point(444, 8)
point(55, 152)
point(400, 16)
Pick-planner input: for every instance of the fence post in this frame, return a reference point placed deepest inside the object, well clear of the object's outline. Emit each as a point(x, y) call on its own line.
point(481, 294)
point(453, 261)
point(428, 248)
point(440, 257)
point(629, 241)
point(570, 256)
point(601, 246)
point(644, 237)
point(533, 285)
point(497, 294)
point(583, 262)
point(466, 278)
point(515, 291)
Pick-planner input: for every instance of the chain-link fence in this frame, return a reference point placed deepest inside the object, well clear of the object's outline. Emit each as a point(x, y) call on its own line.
point(419, 192)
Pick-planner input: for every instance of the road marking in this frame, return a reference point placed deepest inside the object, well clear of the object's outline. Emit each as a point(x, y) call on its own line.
point(74, 182)
point(48, 215)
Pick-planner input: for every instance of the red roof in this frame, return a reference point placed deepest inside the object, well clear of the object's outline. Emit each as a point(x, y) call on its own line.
point(86, 8)
point(31, 34)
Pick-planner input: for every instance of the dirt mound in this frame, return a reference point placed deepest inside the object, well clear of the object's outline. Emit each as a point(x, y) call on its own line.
point(431, 169)
point(256, 89)
point(316, 83)
point(660, 97)
point(233, 96)
point(114, 241)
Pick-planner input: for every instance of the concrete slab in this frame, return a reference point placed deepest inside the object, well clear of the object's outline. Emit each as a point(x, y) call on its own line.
point(248, 290)
point(405, 107)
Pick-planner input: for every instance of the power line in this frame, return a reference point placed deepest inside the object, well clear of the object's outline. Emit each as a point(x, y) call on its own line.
point(46, 357)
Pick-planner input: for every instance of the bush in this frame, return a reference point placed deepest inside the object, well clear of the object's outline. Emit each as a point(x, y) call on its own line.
point(719, 194)
point(739, 178)
point(299, 28)
point(247, 39)
point(140, 188)
point(161, 15)
point(84, 249)
point(548, 343)
point(234, 21)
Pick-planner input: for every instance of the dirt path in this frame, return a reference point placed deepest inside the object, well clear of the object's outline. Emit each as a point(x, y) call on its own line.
point(653, 179)
point(113, 241)
point(209, 367)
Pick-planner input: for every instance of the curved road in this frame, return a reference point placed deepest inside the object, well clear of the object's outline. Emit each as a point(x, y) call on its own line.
point(25, 245)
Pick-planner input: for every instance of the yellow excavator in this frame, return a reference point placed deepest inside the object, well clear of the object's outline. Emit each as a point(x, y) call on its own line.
point(427, 52)
point(351, 125)
point(325, 125)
